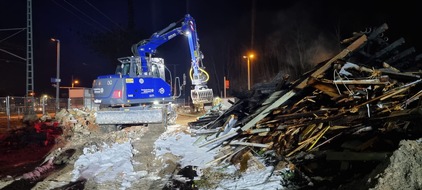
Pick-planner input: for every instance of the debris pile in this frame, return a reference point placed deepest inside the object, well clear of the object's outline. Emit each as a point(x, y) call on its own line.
point(352, 110)
point(77, 122)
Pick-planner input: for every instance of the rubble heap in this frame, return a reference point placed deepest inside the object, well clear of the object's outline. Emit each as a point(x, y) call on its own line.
point(352, 109)
point(77, 123)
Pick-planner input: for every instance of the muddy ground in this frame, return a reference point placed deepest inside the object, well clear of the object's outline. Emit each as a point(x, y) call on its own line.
point(24, 149)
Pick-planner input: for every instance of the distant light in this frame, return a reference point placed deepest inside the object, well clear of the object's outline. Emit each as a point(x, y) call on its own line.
point(249, 56)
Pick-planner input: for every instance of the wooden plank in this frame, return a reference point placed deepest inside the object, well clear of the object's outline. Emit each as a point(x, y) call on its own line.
point(315, 113)
point(356, 156)
point(221, 138)
point(226, 156)
point(399, 74)
point(326, 88)
point(319, 136)
point(267, 110)
point(386, 95)
point(254, 131)
point(413, 98)
point(367, 81)
point(352, 47)
point(249, 144)
point(204, 132)
point(378, 31)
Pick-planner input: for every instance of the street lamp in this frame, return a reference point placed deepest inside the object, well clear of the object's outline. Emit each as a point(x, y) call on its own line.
point(75, 82)
point(249, 69)
point(58, 74)
point(44, 99)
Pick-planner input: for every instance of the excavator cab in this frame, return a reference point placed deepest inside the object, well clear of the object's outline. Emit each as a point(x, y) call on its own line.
point(123, 69)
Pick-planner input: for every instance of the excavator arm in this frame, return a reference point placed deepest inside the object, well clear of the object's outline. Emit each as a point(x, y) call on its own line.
point(199, 77)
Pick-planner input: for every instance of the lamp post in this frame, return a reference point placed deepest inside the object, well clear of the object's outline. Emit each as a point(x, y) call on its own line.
point(74, 82)
point(58, 74)
point(249, 57)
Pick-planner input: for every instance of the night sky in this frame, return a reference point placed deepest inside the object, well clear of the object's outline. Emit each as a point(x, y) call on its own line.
point(227, 30)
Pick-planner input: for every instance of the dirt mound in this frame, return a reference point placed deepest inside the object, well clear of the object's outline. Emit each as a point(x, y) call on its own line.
point(400, 171)
point(404, 170)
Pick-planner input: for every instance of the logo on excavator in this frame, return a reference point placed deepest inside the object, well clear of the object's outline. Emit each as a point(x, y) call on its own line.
point(161, 91)
point(98, 90)
point(147, 91)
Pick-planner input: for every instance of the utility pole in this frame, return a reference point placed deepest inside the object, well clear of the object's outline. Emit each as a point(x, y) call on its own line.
point(58, 74)
point(29, 52)
point(249, 57)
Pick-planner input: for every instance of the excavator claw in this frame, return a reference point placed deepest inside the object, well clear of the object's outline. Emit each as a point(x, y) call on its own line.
point(202, 96)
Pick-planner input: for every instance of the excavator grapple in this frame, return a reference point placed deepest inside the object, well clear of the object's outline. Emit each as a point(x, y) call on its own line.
point(202, 96)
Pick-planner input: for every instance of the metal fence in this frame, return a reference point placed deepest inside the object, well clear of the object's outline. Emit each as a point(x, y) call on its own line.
point(13, 109)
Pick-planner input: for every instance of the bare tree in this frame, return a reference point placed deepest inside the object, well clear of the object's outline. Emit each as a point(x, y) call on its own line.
point(297, 45)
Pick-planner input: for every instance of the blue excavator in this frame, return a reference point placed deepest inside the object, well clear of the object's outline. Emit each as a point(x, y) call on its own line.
point(138, 92)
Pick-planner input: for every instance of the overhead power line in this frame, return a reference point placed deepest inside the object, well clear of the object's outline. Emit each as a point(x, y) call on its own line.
point(103, 14)
point(10, 53)
point(8, 29)
point(80, 18)
point(90, 24)
point(4, 39)
point(93, 20)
